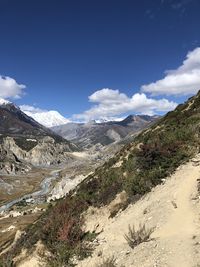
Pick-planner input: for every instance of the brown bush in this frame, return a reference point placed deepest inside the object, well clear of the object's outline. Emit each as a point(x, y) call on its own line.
point(134, 238)
point(65, 229)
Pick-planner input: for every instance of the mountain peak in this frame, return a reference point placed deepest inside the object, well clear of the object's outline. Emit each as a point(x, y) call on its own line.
point(133, 119)
point(4, 102)
point(47, 118)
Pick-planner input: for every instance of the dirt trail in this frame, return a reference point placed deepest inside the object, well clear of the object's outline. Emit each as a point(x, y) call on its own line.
point(173, 209)
point(181, 227)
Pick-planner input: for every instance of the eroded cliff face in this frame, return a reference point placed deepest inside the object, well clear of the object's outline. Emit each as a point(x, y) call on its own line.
point(45, 152)
point(10, 164)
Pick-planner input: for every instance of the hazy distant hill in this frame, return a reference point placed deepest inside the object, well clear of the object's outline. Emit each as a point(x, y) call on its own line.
point(92, 133)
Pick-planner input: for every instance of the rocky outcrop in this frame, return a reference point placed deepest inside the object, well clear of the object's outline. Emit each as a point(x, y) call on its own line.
point(63, 187)
point(24, 142)
point(10, 163)
point(14, 159)
point(46, 151)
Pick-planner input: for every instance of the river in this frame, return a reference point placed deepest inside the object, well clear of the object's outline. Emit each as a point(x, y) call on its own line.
point(44, 189)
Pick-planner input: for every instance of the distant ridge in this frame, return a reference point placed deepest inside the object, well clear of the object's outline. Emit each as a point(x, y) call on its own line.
point(104, 133)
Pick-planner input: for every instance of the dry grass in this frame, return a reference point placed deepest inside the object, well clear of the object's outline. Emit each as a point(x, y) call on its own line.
point(109, 262)
point(136, 237)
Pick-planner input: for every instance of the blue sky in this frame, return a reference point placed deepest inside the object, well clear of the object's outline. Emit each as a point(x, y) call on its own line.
point(65, 51)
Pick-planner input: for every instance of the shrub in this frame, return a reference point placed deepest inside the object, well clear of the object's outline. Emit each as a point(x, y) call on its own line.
point(109, 262)
point(6, 262)
point(24, 144)
point(134, 238)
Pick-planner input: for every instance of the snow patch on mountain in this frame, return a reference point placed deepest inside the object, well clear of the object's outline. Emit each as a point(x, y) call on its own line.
point(108, 119)
point(47, 118)
point(4, 102)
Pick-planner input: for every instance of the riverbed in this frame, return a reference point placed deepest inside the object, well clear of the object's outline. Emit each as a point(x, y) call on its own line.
point(45, 187)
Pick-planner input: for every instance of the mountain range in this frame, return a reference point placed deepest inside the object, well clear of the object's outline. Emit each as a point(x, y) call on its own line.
point(25, 142)
point(89, 134)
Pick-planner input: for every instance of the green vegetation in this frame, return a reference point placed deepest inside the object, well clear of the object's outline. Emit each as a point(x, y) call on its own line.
point(25, 144)
point(22, 203)
point(6, 262)
point(154, 154)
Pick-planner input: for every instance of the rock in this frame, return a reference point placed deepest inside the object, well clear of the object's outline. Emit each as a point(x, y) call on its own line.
point(174, 204)
point(10, 228)
point(99, 253)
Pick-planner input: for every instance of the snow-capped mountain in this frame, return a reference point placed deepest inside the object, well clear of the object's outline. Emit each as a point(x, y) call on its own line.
point(4, 102)
point(24, 141)
point(105, 120)
point(47, 118)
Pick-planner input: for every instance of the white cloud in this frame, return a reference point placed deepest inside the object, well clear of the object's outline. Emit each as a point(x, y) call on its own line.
point(110, 103)
point(107, 96)
point(31, 109)
point(183, 81)
point(9, 88)
point(48, 118)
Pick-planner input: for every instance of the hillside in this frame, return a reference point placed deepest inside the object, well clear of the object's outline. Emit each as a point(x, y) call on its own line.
point(23, 141)
point(92, 133)
point(135, 170)
point(175, 238)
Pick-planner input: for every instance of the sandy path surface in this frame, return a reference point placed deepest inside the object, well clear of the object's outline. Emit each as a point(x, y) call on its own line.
point(173, 209)
point(181, 226)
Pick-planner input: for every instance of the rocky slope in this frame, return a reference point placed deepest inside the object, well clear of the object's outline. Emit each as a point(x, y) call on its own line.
point(92, 133)
point(10, 164)
point(23, 141)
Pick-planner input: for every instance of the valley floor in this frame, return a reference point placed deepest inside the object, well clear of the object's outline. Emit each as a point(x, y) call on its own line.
point(39, 185)
point(172, 209)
